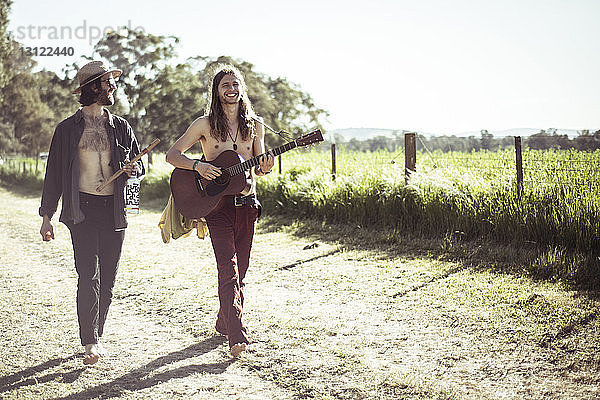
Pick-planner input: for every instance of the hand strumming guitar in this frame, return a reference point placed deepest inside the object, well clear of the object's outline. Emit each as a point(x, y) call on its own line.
point(206, 170)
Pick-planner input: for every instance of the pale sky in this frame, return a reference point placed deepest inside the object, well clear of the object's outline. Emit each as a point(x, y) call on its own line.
point(436, 66)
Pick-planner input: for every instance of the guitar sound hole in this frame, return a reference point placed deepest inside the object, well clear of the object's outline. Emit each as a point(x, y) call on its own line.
point(222, 179)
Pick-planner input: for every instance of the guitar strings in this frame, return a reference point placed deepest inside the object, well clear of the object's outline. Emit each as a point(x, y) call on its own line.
point(241, 167)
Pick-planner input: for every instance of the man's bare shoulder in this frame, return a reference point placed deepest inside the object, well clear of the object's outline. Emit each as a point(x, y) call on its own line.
point(199, 128)
point(201, 123)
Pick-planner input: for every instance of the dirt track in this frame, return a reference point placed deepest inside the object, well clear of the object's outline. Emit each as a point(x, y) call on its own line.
point(328, 321)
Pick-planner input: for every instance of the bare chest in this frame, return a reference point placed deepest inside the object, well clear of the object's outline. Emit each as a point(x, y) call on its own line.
point(212, 147)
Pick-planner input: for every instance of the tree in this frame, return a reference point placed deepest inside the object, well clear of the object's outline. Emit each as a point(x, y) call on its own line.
point(548, 139)
point(27, 119)
point(158, 98)
point(586, 141)
point(486, 140)
point(163, 99)
point(6, 133)
point(5, 45)
point(56, 93)
point(178, 99)
point(538, 141)
point(141, 56)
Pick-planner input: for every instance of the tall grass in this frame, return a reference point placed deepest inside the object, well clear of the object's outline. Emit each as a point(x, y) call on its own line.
point(472, 194)
point(22, 174)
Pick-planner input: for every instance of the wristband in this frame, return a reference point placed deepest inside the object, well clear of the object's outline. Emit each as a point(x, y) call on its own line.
point(195, 163)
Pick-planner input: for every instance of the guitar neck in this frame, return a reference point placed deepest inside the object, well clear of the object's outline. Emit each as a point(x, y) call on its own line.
point(246, 165)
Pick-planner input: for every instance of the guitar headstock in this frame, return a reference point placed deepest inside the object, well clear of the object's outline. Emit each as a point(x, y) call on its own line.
point(310, 138)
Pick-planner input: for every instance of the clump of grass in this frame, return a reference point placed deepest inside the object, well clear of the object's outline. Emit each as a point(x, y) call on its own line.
point(155, 186)
point(17, 179)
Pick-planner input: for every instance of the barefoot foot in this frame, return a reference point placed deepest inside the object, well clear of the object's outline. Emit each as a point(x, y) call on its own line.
point(237, 349)
point(91, 355)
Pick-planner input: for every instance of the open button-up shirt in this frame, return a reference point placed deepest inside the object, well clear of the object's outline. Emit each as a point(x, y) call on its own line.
point(62, 167)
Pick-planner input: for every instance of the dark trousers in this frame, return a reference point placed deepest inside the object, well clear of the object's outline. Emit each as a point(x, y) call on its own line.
point(97, 249)
point(231, 231)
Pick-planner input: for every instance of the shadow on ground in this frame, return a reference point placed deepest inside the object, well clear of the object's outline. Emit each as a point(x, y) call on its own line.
point(22, 189)
point(518, 259)
point(27, 376)
point(143, 377)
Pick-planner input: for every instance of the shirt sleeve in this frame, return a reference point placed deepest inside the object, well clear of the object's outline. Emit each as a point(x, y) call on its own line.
point(135, 150)
point(52, 189)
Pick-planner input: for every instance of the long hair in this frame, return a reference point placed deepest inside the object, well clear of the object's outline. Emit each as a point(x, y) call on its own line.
point(88, 96)
point(219, 128)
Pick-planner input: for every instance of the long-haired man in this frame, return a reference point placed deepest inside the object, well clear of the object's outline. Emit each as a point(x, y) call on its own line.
point(228, 125)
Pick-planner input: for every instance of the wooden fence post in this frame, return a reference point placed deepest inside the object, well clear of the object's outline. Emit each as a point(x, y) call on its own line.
point(149, 161)
point(333, 161)
point(519, 164)
point(279, 163)
point(410, 154)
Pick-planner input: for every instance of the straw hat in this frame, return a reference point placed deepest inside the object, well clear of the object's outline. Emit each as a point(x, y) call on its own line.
point(92, 71)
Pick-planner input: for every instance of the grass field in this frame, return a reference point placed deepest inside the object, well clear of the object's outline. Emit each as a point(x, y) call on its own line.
point(335, 312)
point(457, 196)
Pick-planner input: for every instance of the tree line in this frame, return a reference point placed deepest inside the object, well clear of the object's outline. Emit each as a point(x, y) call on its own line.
point(543, 140)
point(157, 95)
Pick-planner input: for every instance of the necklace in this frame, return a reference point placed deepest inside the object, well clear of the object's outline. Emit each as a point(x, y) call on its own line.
point(236, 136)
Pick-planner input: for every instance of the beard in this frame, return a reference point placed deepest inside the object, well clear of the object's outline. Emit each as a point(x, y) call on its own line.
point(106, 99)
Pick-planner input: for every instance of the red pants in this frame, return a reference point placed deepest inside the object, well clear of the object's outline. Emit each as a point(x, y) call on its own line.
point(231, 232)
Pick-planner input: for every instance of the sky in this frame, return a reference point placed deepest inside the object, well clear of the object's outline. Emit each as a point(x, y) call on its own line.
point(432, 66)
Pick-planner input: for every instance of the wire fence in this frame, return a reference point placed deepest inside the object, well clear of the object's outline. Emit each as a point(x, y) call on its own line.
point(526, 169)
point(553, 167)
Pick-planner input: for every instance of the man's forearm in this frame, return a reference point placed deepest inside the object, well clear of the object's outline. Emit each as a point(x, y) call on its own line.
point(180, 160)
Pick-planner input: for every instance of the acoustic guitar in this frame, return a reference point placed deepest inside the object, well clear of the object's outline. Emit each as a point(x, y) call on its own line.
point(196, 197)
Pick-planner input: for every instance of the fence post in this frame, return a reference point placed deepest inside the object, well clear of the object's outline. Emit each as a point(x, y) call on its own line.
point(279, 163)
point(24, 167)
point(149, 160)
point(519, 164)
point(410, 154)
point(333, 161)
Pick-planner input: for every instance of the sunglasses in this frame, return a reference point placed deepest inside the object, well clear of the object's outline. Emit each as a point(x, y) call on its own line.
point(111, 82)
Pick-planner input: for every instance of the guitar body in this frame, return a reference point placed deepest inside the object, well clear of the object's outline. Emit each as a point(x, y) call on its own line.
point(196, 197)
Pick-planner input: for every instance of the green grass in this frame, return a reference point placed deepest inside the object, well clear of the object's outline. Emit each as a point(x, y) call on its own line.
point(474, 194)
point(22, 174)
